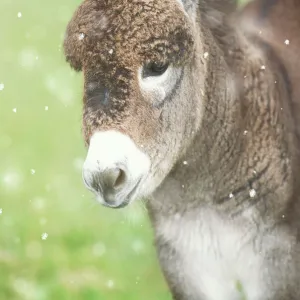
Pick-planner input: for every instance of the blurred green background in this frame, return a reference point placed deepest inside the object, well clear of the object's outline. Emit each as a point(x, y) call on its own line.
point(56, 242)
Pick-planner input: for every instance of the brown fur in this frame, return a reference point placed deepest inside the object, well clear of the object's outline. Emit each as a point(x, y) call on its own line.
point(132, 31)
point(234, 116)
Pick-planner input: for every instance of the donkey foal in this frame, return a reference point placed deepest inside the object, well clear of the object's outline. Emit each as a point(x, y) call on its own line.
point(194, 106)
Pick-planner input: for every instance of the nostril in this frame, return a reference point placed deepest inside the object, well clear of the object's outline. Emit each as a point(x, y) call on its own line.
point(114, 178)
point(120, 179)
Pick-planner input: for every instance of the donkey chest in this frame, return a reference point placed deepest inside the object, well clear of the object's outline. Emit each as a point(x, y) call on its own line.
point(215, 259)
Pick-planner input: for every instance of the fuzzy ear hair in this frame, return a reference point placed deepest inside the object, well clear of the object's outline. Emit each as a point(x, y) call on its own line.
point(190, 7)
point(223, 6)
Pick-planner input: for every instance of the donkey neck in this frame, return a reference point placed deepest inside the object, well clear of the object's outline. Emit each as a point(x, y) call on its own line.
point(240, 158)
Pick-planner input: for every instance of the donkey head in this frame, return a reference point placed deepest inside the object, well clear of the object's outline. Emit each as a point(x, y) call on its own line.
point(139, 63)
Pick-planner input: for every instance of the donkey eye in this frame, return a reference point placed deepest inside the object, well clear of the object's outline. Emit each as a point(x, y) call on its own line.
point(154, 69)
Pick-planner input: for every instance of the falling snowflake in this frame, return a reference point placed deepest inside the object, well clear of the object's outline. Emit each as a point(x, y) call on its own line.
point(19, 14)
point(205, 55)
point(81, 36)
point(110, 284)
point(12, 180)
point(14, 110)
point(44, 236)
point(283, 216)
point(245, 132)
point(185, 162)
point(254, 172)
point(230, 195)
point(263, 67)
point(111, 51)
point(138, 246)
point(287, 42)
point(1, 86)
point(38, 203)
point(27, 58)
point(46, 108)
point(252, 193)
point(78, 163)
point(1, 211)
point(32, 171)
point(99, 249)
point(43, 221)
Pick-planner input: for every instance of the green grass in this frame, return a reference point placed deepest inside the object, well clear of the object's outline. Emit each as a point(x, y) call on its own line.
point(90, 252)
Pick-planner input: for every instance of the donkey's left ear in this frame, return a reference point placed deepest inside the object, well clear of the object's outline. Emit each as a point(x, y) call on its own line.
point(190, 7)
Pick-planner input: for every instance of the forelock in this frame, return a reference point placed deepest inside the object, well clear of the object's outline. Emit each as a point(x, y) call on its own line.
point(103, 29)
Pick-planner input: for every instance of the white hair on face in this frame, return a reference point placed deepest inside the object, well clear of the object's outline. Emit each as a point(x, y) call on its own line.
point(159, 86)
point(112, 149)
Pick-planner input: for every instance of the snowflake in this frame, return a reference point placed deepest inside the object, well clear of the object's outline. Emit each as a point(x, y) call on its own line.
point(81, 36)
point(14, 110)
point(46, 108)
point(245, 132)
point(99, 249)
point(1, 86)
point(205, 55)
point(19, 14)
point(32, 171)
point(185, 162)
point(44, 236)
point(252, 193)
point(230, 195)
point(111, 51)
point(138, 246)
point(43, 221)
point(263, 67)
point(38, 203)
point(12, 179)
point(78, 163)
point(110, 284)
point(1, 211)
point(27, 58)
point(287, 42)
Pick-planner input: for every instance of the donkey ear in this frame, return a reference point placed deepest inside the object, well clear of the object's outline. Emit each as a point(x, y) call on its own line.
point(221, 7)
point(190, 7)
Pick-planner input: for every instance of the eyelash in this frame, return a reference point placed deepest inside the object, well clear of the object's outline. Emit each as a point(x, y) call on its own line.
point(154, 69)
